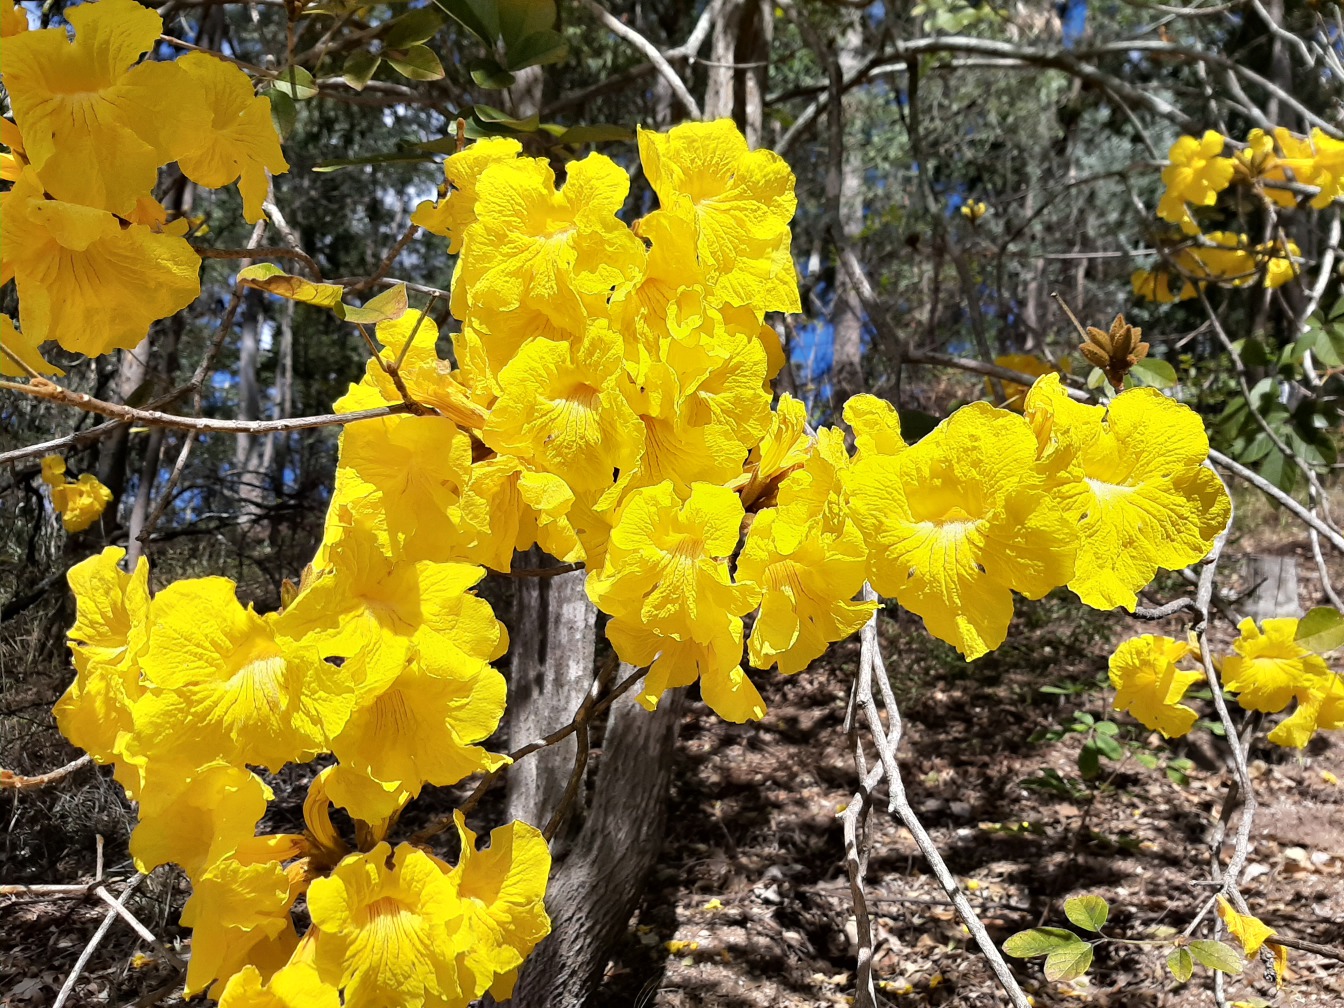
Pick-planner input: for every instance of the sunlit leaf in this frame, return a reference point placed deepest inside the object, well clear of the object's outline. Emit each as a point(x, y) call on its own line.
point(1088, 912)
point(1069, 962)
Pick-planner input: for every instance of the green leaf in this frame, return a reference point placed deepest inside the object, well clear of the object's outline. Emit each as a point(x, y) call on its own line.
point(415, 62)
point(1108, 728)
point(1217, 955)
point(390, 304)
point(1180, 964)
point(1096, 378)
point(1089, 761)
point(519, 19)
point(1108, 746)
point(1069, 962)
point(1037, 942)
point(489, 74)
point(537, 49)
point(1321, 630)
point(359, 69)
point(284, 113)
point(1085, 718)
point(1088, 912)
point(415, 27)
point(480, 17)
point(1153, 372)
point(295, 82)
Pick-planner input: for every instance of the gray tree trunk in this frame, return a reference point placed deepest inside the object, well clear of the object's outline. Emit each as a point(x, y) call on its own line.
point(847, 314)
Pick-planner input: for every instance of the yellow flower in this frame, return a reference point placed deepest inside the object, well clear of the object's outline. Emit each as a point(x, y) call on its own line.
point(96, 125)
point(503, 917)
point(85, 278)
point(784, 447)
point(295, 986)
point(508, 505)
point(1270, 670)
point(1150, 687)
point(563, 409)
point(107, 641)
point(24, 349)
point(195, 818)
point(973, 210)
point(876, 425)
point(740, 201)
point(386, 923)
point(1139, 489)
point(958, 521)
point(1325, 167)
point(240, 143)
point(1026, 363)
point(239, 913)
point(227, 686)
point(13, 19)
point(717, 664)
point(451, 216)
point(79, 503)
point(535, 246)
point(1197, 174)
point(807, 577)
point(1156, 285)
point(1259, 164)
point(666, 565)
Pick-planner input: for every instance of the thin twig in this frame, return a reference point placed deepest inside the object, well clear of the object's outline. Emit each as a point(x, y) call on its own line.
point(68, 987)
point(13, 782)
point(651, 52)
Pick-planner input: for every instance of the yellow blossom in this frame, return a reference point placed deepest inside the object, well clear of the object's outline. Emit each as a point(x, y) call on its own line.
point(959, 520)
point(1138, 486)
point(86, 279)
point(451, 216)
point(1150, 687)
point(108, 638)
point(1259, 164)
point(96, 123)
point(1196, 175)
point(24, 349)
point(1270, 669)
point(876, 425)
point(783, 448)
point(1015, 394)
point(241, 143)
point(508, 505)
point(294, 986)
point(80, 502)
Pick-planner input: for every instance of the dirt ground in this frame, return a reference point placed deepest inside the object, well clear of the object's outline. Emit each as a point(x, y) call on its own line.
point(749, 905)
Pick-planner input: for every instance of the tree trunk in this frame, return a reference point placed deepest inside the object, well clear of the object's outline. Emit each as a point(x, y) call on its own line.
point(847, 315)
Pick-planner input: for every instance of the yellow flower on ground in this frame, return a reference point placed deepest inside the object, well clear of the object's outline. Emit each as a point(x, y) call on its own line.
point(740, 201)
point(1196, 175)
point(563, 409)
point(80, 502)
point(110, 635)
point(96, 125)
point(960, 520)
point(86, 279)
point(240, 144)
point(451, 216)
point(1150, 686)
point(386, 924)
point(1270, 670)
point(1138, 486)
point(666, 565)
point(24, 349)
point(501, 890)
point(227, 686)
point(535, 246)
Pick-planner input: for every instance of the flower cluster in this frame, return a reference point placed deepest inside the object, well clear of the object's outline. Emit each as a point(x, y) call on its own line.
point(1271, 166)
point(93, 255)
point(1267, 670)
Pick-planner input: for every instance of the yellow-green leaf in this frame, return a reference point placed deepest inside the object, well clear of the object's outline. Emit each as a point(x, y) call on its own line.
point(1088, 912)
point(390, 304)
point(1321, 630)
point(272, 279)
point(1069, 962)
point(1180, 964)
point(1217, 955)
point(1037, 942)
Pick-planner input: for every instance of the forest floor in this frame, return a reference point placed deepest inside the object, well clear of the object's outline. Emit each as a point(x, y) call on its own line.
point(749, 905)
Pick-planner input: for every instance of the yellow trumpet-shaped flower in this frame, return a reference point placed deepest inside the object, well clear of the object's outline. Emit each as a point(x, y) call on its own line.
point(666, 565)
point(451, 216)
point(500, 890)
point(227, 686)
point(195, 817)
point(386, 923)
point(1137, 486)
point(79, 502)
point(86, 278)
point(563, 409)
point(508, 505)
point(532, 245)
point(24, 349)
point(1150, 686)
point(959, 520)
point(110, 635)
point(1196, 175)
point(294, 986)
point(877, 426)
point(97, 123)
point(740, 201)
point(784, 447)
point(1270, 670)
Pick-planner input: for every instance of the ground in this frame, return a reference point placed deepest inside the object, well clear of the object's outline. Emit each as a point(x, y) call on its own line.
point(749, 905)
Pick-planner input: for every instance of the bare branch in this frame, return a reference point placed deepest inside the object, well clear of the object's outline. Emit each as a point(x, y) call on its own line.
point(650, 51)
point(10, 781)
